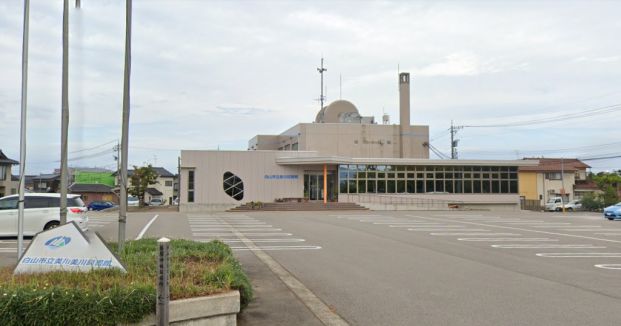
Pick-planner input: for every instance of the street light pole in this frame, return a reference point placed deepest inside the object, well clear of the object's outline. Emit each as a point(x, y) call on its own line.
point(22, 136)
point(64, 129)
point(125, 126)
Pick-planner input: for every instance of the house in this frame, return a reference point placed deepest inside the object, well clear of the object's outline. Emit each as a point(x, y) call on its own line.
point(163, 187)
point(8, 183)
point(552, 177)
point(44, 182)
point(94, 192)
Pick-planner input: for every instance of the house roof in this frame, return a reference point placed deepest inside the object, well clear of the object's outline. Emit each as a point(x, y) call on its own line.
point(586, 185)
point(6, 160)
point(154, 192)
point(160, 171)
point(90, 187)
point(42, 177)
point(555, 165)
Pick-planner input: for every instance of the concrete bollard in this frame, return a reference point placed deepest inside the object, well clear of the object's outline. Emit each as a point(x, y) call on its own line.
point(163, 291)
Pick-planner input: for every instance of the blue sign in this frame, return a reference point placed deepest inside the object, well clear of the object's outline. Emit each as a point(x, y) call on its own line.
point(281, 177)
point(57, 242)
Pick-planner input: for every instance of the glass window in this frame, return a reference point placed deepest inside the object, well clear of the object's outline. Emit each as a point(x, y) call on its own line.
point(513, 187)
point(400, 167)
point(381, 175)
point(352, 187)
point(420, 186)
point(429, 186)
point(390, 186)
point(381, 168)
point(400, 175)
point(410, 186)
point(439, 185)
point(8, 203)
point(371, 186)
point(485, 185)
point(381, 186)
point(476, 186)
point(371, 175)
point(233, 186)
point(495, 186)
point(429, 175)
point(390, 175)
point(448, 186)
point(467, 186)
point(459, 186)
point(400, 186)
point(362, 186)
point(410, 175)
point(504, 187)
point(343, 186)
point(36, 202)
point(420, 175)
point(439, 175)
point(191, 186)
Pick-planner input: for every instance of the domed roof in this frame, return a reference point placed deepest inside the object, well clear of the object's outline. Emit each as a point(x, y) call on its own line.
point(337, 112)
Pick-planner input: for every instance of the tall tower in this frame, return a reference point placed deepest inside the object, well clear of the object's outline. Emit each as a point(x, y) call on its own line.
point(404, 109)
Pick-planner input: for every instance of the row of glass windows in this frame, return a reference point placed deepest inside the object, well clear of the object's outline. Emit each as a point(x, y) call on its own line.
point(426, 179)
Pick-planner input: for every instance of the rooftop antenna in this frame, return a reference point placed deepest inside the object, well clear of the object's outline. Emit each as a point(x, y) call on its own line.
point(321, 70)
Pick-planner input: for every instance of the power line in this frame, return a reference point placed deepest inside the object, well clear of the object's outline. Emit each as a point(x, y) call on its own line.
point(567, 116)
point(94, 147)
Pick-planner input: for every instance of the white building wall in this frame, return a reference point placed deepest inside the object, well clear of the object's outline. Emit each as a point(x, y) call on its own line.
point(250, 166)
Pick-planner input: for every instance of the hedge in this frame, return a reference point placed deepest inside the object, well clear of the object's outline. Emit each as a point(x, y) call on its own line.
point(109, 297)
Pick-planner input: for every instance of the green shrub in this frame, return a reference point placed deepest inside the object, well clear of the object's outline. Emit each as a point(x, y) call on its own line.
point(109, 297)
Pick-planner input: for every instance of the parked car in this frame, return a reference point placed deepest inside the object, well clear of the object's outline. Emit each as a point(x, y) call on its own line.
point(574, 205)
point(156, 202)
point(99, 205)
point(133, 201)
point(554, 204)
point(613, 212)
point(41, 212)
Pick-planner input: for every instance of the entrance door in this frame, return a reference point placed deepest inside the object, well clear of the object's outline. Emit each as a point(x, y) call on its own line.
point(313, 185)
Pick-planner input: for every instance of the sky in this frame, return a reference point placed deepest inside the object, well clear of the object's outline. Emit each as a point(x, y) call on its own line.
point(213, 74)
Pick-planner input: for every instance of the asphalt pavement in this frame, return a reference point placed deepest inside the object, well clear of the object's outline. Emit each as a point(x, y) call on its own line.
point(411, 268)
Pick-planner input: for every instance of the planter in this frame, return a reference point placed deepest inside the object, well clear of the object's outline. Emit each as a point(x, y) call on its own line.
point(213, 310)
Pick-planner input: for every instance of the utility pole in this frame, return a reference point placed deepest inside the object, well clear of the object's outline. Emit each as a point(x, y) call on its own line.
point(22, 137)
point(454, 141)
point(321, 70)
point(562, 185)
point(125, 125)
point(64, 129)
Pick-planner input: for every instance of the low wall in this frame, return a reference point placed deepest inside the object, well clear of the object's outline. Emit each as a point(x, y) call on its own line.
point(495, 202)
point(192, 208)
point(213, 310)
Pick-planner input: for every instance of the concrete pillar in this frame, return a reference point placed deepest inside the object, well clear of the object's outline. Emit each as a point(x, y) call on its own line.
point(325, 183)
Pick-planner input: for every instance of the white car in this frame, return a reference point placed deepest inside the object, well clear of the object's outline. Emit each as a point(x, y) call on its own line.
point(41, 212)
point(156, 202)
point(574, 205)
point(133, 201)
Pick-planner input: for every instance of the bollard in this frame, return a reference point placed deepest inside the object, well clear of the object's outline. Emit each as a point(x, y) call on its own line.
point(163, 291)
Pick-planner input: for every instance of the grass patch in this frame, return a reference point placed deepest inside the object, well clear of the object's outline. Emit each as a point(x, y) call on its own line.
point(109, 297)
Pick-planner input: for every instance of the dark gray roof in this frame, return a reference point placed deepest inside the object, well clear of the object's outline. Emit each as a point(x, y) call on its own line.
point(154, 192)
point(6, 160)
point(90, 187)
point(162, 172)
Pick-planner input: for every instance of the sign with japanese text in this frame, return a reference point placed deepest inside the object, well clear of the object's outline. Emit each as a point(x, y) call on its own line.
point(66, 248)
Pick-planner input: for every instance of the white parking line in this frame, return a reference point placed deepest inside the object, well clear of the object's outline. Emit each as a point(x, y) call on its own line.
point(265, 240)
point(608, 233)
point(568, 227)
point(524, 230)
point(580, 254)
point(437, 230)
point(506, 239)
point(278, 248)
point(229, 229)
point(146, 227)
point(201, 234)
point(472, 233)
point(547, 246)
point(609, 266)
point(400, 222)
point(426, 226)
point(588, 230)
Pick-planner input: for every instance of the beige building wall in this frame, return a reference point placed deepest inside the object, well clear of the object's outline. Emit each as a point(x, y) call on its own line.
point(358, 140)
point(250, 166)
point(7, 187)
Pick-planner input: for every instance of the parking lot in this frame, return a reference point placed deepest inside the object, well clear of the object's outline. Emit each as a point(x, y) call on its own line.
point(411, 267)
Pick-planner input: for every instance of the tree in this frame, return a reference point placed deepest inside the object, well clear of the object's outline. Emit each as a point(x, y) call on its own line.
point(141, 179)
point(609, 183)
